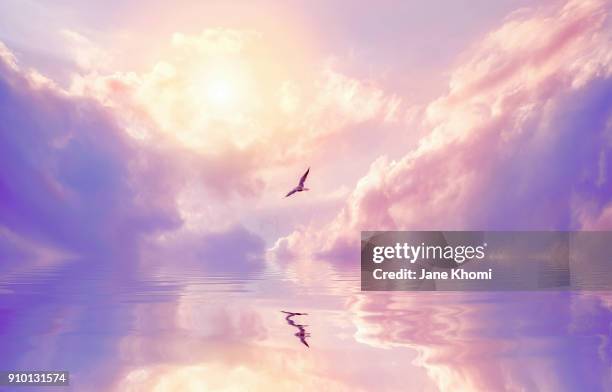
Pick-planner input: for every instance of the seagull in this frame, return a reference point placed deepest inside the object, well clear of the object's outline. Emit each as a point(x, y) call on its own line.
point(300, 186)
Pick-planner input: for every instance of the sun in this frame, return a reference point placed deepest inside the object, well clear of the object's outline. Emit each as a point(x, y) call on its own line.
point(219, 102)
point(221, 93)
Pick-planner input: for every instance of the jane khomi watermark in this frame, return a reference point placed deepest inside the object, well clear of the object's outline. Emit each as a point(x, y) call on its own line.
point(485, 261)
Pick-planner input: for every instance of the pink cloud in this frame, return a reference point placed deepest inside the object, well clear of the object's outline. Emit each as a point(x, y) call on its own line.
point(515, 144)
point(71, 179)
point(278, 112)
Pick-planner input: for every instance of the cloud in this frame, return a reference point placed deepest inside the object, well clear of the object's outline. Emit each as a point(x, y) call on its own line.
point(234, 107)
point(520, 141)
point(69, 174)
point(8, 58)
point(233, 250)
point(84, 52)
point(84, 205)
point(74, 183)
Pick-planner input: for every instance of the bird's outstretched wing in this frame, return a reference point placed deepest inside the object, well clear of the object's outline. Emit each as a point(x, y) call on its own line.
point(291, 193)
point(303, 179)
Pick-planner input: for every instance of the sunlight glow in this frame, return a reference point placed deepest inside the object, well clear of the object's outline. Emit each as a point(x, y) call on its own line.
point(221, 93)
point(220, 86)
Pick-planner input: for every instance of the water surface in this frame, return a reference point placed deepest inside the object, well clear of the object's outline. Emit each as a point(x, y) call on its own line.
point(188, 330)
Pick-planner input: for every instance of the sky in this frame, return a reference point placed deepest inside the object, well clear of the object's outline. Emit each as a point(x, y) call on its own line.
point(135, 132)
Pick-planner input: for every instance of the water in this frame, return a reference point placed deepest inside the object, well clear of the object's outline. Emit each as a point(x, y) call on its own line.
point(116, 327)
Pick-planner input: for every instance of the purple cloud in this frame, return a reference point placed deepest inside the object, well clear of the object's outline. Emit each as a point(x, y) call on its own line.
point(70, 176)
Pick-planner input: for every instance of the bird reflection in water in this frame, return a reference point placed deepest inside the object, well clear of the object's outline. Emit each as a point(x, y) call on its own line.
point(301, 334)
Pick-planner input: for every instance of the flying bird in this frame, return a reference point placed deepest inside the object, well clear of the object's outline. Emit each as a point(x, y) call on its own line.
point(300, 187)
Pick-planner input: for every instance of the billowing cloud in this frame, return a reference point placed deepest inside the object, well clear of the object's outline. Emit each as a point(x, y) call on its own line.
point(522, 140)
point(153, 182)
point(70, 176)
point(225, 86)
point(234, 251)
point(85, 53)
point(226, 98)
point(82, 201)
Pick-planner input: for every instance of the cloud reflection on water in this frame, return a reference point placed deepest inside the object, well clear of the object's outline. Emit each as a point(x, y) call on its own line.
point(495, 341)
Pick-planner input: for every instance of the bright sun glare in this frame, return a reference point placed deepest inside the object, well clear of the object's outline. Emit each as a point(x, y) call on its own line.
point(220, 92)
point(214, 95)
point(217, 101)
